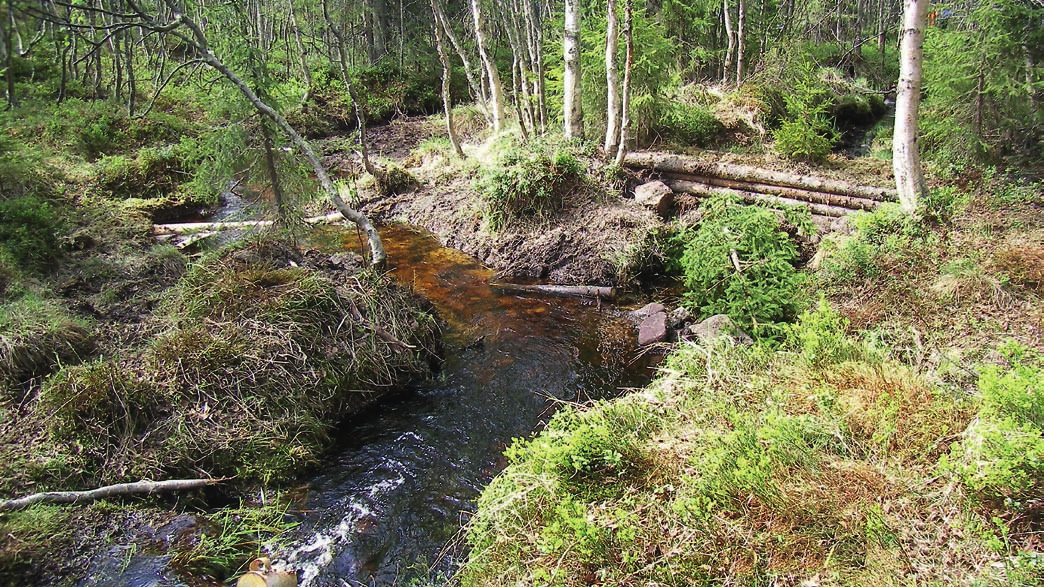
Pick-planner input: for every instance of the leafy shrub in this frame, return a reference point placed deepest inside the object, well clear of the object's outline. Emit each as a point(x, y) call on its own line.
point(821, 337)
point(29, 231)
point(529, 182)
point(686, 125)
point(1001, 457)
point(764, 290)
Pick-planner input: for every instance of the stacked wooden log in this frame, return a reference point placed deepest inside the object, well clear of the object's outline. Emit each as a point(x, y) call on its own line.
point(823, 197)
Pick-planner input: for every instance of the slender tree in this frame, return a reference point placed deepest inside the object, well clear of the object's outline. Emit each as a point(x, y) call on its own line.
point(496, 89)
point(612, 81)
point(625, 117)
point(447, 105)
point(571, 111)
point(906, 159)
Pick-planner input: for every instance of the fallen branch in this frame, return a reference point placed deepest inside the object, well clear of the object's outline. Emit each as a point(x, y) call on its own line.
point(137, 488)
point(188, 227)
point(576, 291)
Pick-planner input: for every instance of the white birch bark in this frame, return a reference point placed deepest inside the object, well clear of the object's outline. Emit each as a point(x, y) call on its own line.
point(496, 89)
point(906, 160)
point(625, 117)
point(571, 110)
point(612, 81)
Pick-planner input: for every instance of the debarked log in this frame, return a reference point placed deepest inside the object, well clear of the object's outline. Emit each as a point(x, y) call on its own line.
point(671, 163)
point(136, 488)
point(187, 227)
point(572, 291)
point(813, 197)
point(702, 190)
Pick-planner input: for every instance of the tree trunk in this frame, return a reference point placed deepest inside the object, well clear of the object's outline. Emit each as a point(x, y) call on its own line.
point(447, 28)
point(302, 55)
point(272, 167)
point(342, 63)
point(906, 160)
point(671, 163)
point(572, 112)
point(136, 488)
point(496, 89)
point(741, 34)
point(730, 39)
point(9, 72)
point(574, 291)
point(447, 105)
point(625, 103)
point(797, 194)
point(612, 82)
point(199, 42)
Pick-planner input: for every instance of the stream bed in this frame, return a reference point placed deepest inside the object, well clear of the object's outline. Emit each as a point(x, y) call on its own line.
point(388, 506)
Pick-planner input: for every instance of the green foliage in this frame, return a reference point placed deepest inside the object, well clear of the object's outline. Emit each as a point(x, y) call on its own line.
point(150, 173)
point(232, 537)
point(30, 231)
point(675, 123)
point(529, 182)
point(387, 91)
point(978, 103)
point(821, 337)
point(764, 291)
point(807, 132)
point(1000, 459)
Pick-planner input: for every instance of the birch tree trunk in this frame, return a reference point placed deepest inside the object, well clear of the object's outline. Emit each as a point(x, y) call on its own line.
point(440, 45)
point(625, 105)
point(741, 28)
point(476, 87)
point(906, 160)
point(572, 112)
point(306, 72)
point(612, 81)
point(496, 89)
point(731, 39)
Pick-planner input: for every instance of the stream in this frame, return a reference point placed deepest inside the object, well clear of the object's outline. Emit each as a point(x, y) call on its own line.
point(389, 504)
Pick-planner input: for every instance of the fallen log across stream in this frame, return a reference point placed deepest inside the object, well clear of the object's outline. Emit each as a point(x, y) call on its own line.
point(573, 291)
point(824, 197)
point(190, 232)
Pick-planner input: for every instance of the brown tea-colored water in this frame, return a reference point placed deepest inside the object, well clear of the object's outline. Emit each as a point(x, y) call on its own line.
point(389, 505)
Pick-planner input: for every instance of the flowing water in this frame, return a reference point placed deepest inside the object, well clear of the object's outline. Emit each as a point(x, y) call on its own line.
point(388, 505)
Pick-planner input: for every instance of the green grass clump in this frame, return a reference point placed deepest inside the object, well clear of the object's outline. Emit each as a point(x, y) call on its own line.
point(1000, 458)
point(529, 182)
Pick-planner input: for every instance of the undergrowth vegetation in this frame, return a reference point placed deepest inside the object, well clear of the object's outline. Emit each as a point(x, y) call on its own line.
point(255, 360)
point(739, 261)
point(890, 436)
point(745, 465)
point(530, 182)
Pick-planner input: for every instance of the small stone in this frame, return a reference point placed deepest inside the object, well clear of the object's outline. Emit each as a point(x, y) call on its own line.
point(655, 195)
point(678, 317)
point(717, 326)
point(648, 310)
point(653, 329)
